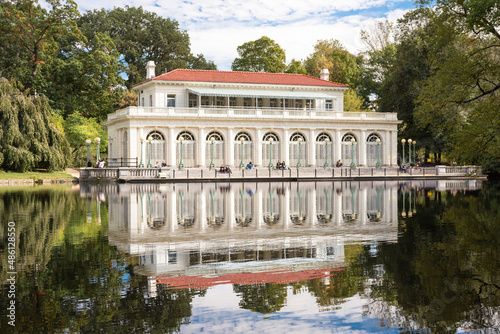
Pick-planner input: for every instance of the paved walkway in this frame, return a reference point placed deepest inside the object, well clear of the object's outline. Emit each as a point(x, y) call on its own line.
point(73, 172)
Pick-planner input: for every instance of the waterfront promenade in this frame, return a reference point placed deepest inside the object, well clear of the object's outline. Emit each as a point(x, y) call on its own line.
point(265, 174)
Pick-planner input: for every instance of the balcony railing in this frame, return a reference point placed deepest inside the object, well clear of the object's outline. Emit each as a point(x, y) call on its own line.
point(242, 112)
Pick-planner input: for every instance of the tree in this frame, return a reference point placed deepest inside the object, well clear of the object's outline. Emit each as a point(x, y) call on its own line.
point(331, 55)
point(261, 55)
point(30, 35)
point(200, 63)
point(296, 67)
point(29, 136)
point(78, 129)
point(140, 36)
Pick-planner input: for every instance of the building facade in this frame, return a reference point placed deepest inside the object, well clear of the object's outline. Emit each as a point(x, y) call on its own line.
point(199, 118)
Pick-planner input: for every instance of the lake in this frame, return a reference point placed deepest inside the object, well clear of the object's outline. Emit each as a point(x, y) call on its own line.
point(291, 257)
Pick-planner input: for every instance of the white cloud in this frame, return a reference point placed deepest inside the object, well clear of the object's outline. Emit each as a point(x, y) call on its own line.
point(218, 27)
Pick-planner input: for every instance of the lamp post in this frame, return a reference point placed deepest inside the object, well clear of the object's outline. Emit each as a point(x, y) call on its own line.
point(403, 141)
point(298, 162)
point(97, 141)
point(149, 157)
point(241, 162)
point(88, 141)
point(270, 153)
point(181, 164)
point(409, 150)
point(326, 152)
point(414, 143)
point(378, 153)
point(212, 139)
point(141, 165)
point(352, 153)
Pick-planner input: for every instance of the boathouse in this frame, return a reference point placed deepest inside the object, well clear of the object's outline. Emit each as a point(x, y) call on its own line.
point(201, 118)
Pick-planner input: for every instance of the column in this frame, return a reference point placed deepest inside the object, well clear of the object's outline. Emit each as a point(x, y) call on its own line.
point(385, 147)
point(230, 215)
point(132, 143)
point(202, 143)
point(257, 148)
point(229, 154)
point(338, 147)
point(285, 205)
point(172, 146)
point(285, 151)
point(362, 149)
point(393, 151)
point(311, 149)
point(337, 207)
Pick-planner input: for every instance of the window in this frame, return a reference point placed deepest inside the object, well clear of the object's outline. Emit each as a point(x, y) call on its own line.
point(329, 104)
point(150, 100)
point(170, 100)
point(142, 102)
point(193, 101)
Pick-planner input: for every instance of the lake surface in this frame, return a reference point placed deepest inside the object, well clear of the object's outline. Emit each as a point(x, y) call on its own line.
point(325, 257)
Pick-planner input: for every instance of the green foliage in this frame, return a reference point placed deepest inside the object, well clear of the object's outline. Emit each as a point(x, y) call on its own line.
point(261, 55)
point(352, 101)
point(29, 137)
point(331, 54)
point(78, 129)
point(296, 67)
point(141, 36)
point(200, 63)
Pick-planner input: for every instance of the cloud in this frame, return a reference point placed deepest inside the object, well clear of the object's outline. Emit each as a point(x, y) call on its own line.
point(218, 27)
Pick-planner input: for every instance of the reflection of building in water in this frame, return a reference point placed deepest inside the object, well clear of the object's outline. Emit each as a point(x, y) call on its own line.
point(183, 230)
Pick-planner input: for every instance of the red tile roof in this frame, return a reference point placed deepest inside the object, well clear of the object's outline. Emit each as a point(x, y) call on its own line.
point(245, 78)
point(278, 276)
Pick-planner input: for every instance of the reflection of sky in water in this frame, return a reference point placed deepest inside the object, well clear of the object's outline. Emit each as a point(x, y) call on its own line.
point(219, 312)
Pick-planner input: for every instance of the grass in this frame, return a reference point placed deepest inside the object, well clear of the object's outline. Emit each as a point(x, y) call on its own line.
point(34, 175)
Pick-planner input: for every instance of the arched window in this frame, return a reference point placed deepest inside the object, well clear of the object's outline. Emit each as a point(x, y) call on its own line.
point(349, 149)
point(324, 150)
point(158, 147)
point(374, 150)
point(270, 149)
point(270, 135)
point(215, 135)
point(214, 149)
point(186, 135)
point(188, 148)
point(296, 136)
point(242, 145)
point(298, 151)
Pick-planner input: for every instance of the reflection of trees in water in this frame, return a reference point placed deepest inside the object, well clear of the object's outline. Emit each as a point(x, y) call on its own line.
point(263, 298)
point(444, 271)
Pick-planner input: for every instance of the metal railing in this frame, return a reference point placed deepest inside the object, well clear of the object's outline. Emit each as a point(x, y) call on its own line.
point(122, 162)
point(263, 172)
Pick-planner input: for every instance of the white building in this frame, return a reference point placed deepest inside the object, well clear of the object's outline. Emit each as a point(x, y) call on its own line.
point(198, 118)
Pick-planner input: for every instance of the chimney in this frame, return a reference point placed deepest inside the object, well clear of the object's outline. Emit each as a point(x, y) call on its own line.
point(324, 75)
point(150, 70)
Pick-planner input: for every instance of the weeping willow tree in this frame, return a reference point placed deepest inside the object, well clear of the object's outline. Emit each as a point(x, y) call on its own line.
point(29, 137)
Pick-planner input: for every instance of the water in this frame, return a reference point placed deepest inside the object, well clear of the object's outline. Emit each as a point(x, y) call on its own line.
point(344, 257)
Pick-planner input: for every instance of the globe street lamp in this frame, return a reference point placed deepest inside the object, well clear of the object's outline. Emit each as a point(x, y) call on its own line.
point(298, 162)
point(326, 153)
point(352, 153)
point(141, 165)
point(378, 152)
point(212, 140)
point(409, 151)
point(149, 158)
point(181, 164)
point(241, 162)
point(414, 143)
point(97, 141)
point(270, 153)
point(403, 141)
point(88, 141)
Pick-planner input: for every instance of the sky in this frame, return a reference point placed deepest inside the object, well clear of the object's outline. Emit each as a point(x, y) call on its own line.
point(217, 27)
